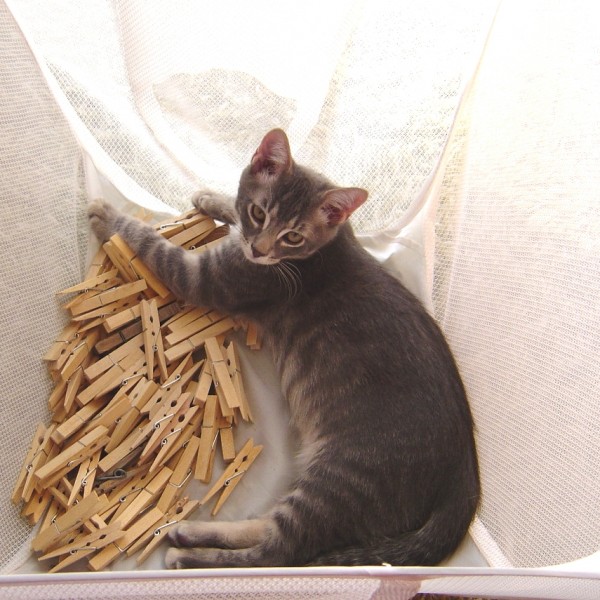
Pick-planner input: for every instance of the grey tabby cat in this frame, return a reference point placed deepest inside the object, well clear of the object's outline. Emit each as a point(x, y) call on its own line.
point(389, 465)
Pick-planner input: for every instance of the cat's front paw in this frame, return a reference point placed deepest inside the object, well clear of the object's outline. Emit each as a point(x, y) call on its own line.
point(217, 206)
point(103, 217)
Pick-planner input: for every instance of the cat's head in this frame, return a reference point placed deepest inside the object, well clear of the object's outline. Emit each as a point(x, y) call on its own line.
point(288, 211)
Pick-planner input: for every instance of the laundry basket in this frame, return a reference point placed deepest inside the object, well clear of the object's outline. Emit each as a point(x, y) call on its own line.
point(476, 128)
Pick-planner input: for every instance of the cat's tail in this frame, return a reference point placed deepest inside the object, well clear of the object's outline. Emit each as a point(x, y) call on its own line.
point(429, 545)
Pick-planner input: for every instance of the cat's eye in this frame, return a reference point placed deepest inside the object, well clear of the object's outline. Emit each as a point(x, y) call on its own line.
point(293, 238)
point(257, 213)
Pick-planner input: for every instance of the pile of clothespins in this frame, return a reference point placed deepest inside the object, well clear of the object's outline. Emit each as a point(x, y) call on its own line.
point(146, 393)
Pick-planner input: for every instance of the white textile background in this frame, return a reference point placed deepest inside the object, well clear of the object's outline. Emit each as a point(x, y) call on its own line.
point(475, 126)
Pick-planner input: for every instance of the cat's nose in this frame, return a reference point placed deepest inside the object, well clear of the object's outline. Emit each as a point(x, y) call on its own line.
point(256, 253)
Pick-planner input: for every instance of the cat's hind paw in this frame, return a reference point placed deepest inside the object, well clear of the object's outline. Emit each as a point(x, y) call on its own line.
point(102, 216)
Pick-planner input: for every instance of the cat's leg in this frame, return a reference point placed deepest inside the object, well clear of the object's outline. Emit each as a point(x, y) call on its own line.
point(219, 534)
point(202, 544)
point(175, 267)
point(217, 206)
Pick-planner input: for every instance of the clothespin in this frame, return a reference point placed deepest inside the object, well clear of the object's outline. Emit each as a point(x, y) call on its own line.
point(223, 385)
point(232, 475)
point(195, 341)
point(121, 454)
point(99, 264)
point(160, 422)
point(191, 236)
point(72, 456)
point(109, 343)
point(36, 442)
point(149, 487)
point(182, 510)
point(68, 336)
point(153, 343)
point(85, 544)
point(111, 413)
point(173, 434)
point(81, 418)
point(73, 385)
point(184, 317)
point(253, 336)
point(182, 474)
point(106, 298)
point(208, 440)
point(110, 360)
point(205, 381)
point(138, 267)
point(171, 387)
point(125, 269)
point(91, 283)
point(211, 241)
point(115, 548)
point(190, 429)
point(44, 451)
point(36, 506)
point(236, 377)
point(98, 316)
point(138, 397)
point(87, 294)
point(226, 437)
point(67, 522)
point(86, 476)
point(185, 328)
point(122, 318)
point(130, 368)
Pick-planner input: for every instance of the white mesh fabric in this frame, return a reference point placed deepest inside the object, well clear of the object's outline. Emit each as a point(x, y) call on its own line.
point(42, 248)
point(522, 278)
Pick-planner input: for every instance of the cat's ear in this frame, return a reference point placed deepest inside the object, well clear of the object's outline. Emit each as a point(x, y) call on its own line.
point(273, 156)
point(339, 203)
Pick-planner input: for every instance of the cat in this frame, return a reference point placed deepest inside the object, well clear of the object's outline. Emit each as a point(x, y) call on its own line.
point(390, 471)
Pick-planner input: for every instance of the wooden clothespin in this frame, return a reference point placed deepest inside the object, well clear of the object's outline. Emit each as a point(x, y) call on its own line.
point(205, 382)
point(208, 440)
point(72, 456)
point(191, 236)
point(138, 396)
point(106, 298)
point(81, 418)
point(84, 545)
point(195, 341)
point(128, 370)
point(91, 283)
point(70, 520)
point(36, 442)
point(232, 475)
point(153, 342)
point(102, 365)
point(236, 377)
point(182, 510)
point(160, 422)
point(60, 346)
point(223, 384)
point(112, 341)
point(44, 451)
point(173, 434)
point(192, 428)
point(138, 267)
point(182, 474)
point(122, 318)
point(115, 548)
point(186, 327)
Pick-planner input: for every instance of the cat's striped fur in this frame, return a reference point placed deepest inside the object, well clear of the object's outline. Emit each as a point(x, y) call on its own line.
point(390, 470)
